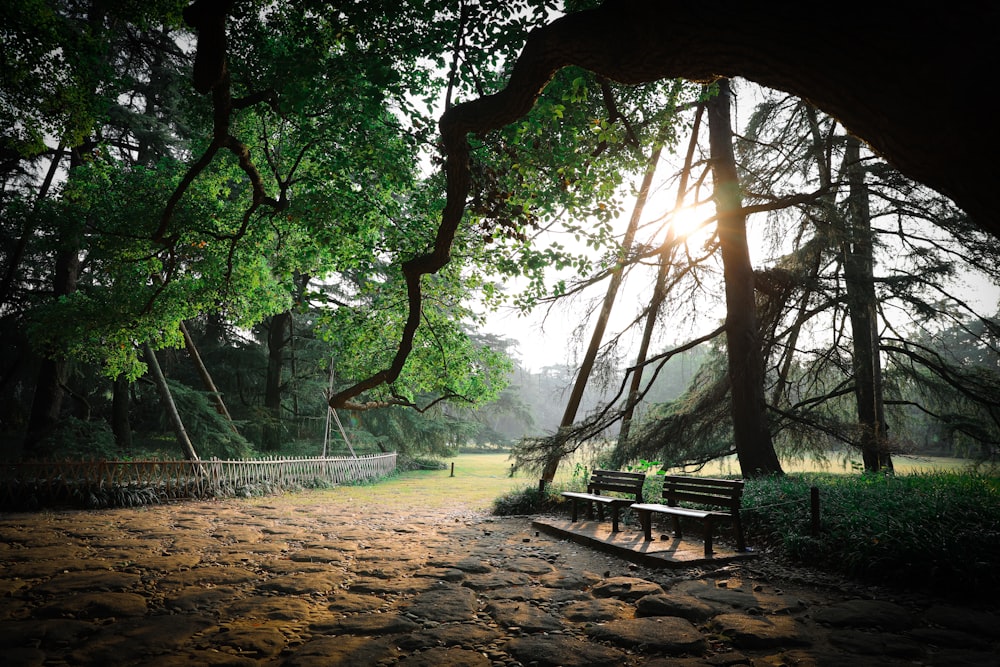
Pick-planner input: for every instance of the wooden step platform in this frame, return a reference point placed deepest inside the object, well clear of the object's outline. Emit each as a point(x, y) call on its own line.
point(665, 551)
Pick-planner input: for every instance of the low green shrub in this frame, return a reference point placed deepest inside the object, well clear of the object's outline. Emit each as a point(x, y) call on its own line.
point(529, 500)
point(406, 463)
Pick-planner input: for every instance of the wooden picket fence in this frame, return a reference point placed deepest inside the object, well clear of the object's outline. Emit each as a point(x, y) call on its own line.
point(130, 483)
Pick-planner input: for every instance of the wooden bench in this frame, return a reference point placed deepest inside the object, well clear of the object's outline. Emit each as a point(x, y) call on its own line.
point(609, 481)
point(722, 495)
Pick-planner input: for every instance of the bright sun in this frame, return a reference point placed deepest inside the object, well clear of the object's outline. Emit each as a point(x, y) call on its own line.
point(689, 220)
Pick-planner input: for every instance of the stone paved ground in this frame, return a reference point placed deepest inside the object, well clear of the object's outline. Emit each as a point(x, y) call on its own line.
point(304, 583)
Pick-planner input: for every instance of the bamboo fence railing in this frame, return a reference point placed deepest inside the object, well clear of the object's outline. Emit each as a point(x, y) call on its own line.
point(126, 483)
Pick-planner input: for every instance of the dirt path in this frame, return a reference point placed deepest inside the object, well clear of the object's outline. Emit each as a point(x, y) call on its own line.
point(308, 580)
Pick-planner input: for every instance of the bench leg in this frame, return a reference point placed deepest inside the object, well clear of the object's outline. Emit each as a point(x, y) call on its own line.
point(677, 526)
point(614, 519)
point(574, 510)
point(741, 545)
point(708, 537)
point(645, 520)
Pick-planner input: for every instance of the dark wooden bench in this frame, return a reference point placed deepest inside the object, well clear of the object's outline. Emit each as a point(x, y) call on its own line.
point(609, 481)
point(722, 496)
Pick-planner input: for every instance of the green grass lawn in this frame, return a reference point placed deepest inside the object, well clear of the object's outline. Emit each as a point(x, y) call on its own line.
point(477, 480)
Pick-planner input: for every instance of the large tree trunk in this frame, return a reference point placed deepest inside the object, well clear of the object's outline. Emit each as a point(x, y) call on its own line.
point(751, 433)
point(862, 302)
point(168, 404)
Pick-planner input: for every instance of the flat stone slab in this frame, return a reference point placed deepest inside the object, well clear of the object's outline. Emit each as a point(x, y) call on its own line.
point(445, 603)
point(391, 587)
point(367, 624)
point(523, 615)
point(200, 597)
point(562, 651)
point(345, 602)
point(303, 584)
point(530, 565)
point(471, 634)
point(668, 634)
point(272, 608)
point(539, 594)
point(668, 604)
point(494, 580)
point(251, 641)
point(469, 565)
point(95, 605)
point(315, 555)
point(167, 562)
point(572, 579)
point(867, 614)
point(441, 573)
point(46, 633)
point(214, 575)
point(72, 582)
point(344, 650)
point(595, 611)
point(760, 632)
point(446, 657)
point(626, 588)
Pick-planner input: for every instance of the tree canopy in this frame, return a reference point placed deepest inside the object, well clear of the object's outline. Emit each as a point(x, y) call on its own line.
point(270, 178)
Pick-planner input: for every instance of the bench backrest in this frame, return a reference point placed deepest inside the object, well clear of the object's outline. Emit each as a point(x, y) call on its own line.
point(726, 493)
point(615, 480)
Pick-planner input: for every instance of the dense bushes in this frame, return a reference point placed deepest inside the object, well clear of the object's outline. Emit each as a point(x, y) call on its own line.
point(936, 531)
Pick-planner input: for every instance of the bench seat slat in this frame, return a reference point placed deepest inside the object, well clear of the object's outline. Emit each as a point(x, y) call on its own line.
point(597, 498)
point(680, 511)
point(707, 499)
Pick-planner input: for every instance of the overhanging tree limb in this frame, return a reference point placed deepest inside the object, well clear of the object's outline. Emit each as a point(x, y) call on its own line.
point(646, 40)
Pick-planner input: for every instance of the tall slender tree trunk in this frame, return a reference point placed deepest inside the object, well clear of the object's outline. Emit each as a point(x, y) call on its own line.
point(7, 286)
point(168, 404)
point(660, 289)
point(276, 341)
point(751, 432)
point(587, 366)
point(279, 338)
point(53, 372)
point(120, 424)
point(862, 302)
point(206, 378)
